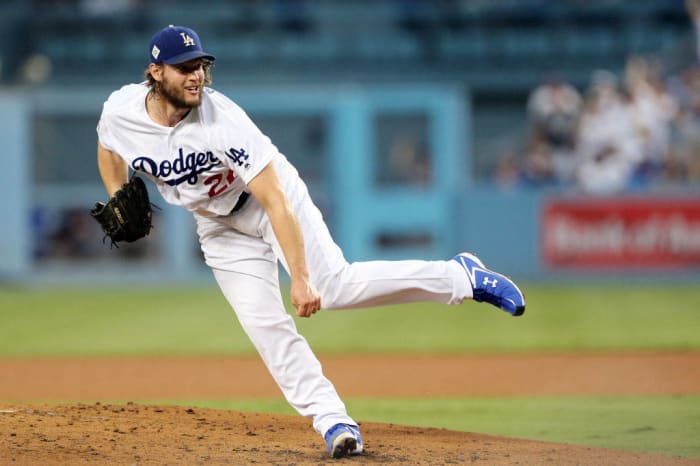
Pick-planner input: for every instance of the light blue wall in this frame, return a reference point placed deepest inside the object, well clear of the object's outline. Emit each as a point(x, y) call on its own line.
point(502, 227)
point(15, 254)
point(366, 210)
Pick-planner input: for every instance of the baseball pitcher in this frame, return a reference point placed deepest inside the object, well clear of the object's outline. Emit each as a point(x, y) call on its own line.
point(252, 211)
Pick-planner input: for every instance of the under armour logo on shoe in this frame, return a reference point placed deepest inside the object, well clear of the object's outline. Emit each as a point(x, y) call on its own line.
point(488, 282)
point(494, 288)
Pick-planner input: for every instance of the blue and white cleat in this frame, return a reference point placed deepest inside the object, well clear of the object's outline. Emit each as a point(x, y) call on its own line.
point(491, 287)
point(343, 440)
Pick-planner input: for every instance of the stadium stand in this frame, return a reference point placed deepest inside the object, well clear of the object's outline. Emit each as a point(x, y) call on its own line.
point(502, 44)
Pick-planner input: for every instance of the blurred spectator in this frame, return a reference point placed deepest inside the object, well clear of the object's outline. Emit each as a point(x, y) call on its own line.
point(74, 236)
point(36, 69)
point(652, 110)
point(70, 234)
point(693, 9)
point(607, 150)
point(508, 170)
point(64, 233)
point(539, 167)
point(642, 135)
point(409, 162)
point(553, 108)
point(685, 134)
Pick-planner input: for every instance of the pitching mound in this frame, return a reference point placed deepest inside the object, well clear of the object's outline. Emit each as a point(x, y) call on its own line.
point(137, 434)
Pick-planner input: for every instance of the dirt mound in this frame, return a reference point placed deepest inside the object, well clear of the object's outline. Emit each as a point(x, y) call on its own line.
point(138, 434)
point(96, 433)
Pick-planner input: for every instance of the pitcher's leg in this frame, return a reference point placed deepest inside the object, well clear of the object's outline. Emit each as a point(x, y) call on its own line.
point(377, 283)
point(372, 283)
point(284, 351)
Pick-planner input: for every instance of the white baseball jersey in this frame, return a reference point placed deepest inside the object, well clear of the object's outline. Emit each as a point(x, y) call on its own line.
point(203, 163)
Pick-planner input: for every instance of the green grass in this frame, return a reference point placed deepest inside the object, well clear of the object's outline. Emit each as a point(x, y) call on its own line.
point(660, 424)
point(49, 322)
point(198, 321)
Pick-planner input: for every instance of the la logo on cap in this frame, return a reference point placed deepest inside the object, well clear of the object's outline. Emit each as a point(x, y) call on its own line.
point(186, 39)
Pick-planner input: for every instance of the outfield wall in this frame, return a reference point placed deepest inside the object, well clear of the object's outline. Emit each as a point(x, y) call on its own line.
point(389, 166)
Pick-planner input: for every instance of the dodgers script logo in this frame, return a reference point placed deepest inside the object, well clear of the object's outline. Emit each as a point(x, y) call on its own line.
point(187, 167)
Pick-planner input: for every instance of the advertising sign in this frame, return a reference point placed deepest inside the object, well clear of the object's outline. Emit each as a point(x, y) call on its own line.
point(621, 233)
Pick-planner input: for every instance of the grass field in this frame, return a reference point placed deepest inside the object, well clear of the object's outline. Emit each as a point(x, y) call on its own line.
point(197, 321)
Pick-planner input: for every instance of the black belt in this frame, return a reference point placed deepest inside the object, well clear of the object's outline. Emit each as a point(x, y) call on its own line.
point(240, 202)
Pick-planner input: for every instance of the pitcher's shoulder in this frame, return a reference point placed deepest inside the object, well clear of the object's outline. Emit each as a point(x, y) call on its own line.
point(125, 95)
point(217, 106)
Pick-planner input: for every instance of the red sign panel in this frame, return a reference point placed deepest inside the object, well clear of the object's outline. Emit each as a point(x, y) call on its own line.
point(586, 233)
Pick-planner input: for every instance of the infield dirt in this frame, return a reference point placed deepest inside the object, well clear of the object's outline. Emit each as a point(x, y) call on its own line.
point(92, 432)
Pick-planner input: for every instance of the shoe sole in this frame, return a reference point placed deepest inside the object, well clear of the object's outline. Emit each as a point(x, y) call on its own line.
point(344, 446)
point(519, 310)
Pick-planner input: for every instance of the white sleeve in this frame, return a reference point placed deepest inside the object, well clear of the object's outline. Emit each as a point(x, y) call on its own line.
point(247, 149)
point(103, 134)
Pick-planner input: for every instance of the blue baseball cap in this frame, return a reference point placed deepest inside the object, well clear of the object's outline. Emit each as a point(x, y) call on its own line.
point(176, 44)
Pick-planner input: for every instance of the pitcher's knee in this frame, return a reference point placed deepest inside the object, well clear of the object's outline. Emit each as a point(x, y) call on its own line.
point(334, 290)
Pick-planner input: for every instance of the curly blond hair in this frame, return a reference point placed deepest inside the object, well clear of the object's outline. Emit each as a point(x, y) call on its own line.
point(206, 65)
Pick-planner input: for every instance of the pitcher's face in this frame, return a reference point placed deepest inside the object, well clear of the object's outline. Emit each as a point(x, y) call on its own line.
point(182, 84)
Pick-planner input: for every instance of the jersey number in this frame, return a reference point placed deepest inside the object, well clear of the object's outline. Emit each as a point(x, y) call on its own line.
point(219, 184)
